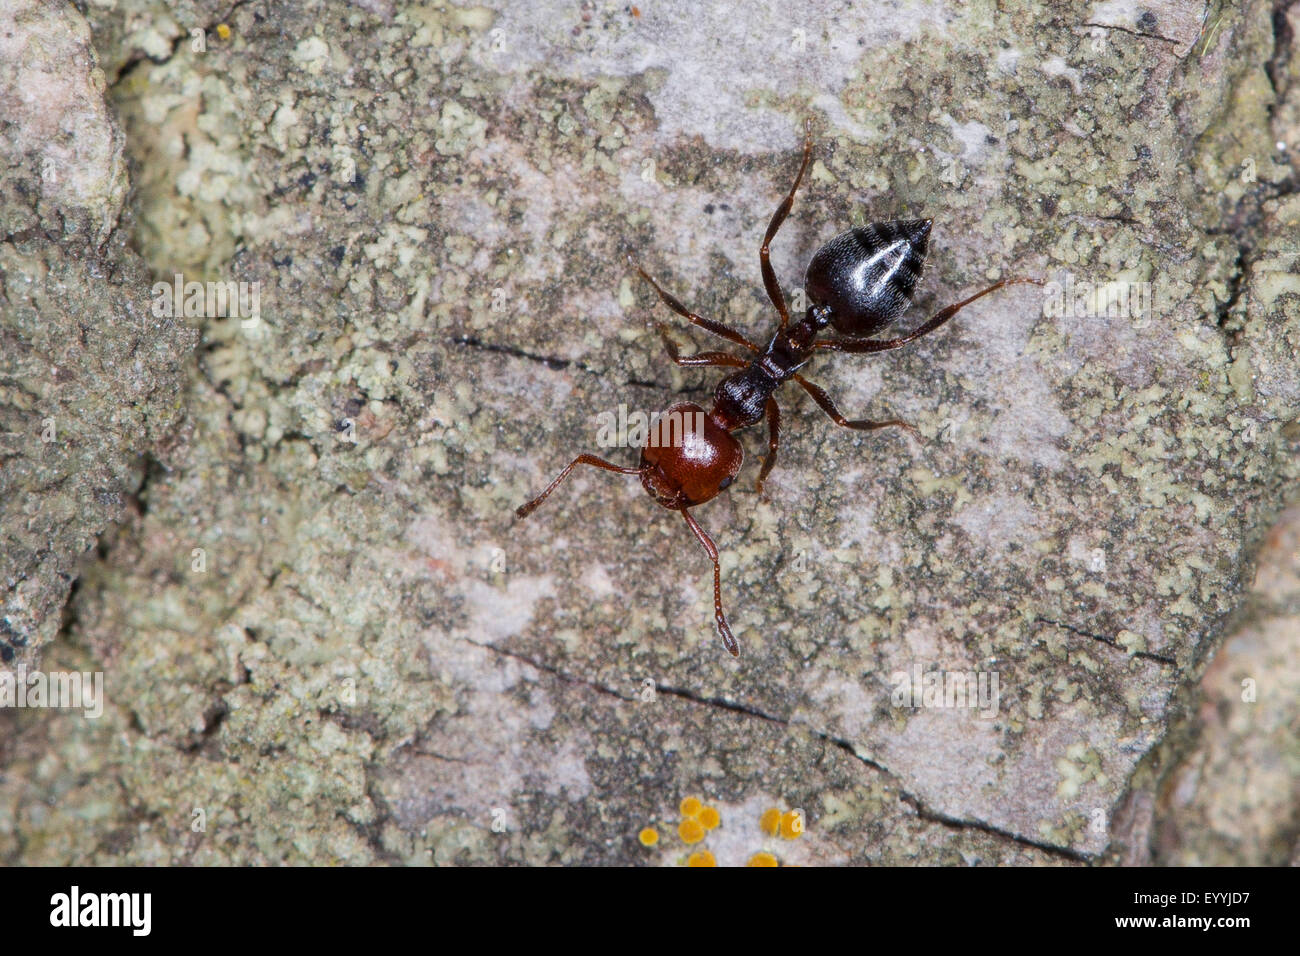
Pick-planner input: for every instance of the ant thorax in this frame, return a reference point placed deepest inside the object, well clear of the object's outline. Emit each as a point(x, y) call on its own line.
point(739, 399)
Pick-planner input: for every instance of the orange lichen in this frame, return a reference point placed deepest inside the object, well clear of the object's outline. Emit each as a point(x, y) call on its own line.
point(709, 818)
point(691, 807)
point(792, 825)
point(648, 837)
point(690, 831)
point(762, 859)
point(223, 31)
point(702, 858)
point(770, 821)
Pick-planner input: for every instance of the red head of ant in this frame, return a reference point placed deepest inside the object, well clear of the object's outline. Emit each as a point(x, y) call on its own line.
point(857, 284)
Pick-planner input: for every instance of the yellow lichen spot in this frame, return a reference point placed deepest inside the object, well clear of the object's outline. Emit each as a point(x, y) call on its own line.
point(702, 858)
point(770, 821)
point(223, 31)
point(792, 825)
point(690, 831)
point(709, 818)
point(648, 837)
point(762, 859)
point(691, 807)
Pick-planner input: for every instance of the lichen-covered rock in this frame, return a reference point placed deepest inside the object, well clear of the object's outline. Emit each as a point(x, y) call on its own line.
point(325, 636)
point(1231, 798)
point(90, 379)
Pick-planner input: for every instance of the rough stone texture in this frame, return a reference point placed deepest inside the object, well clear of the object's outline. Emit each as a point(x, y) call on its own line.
point(320, 624)
point(90, 380)
point(1234, 795)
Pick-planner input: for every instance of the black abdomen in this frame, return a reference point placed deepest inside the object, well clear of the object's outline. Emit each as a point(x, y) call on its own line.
point(866, 276)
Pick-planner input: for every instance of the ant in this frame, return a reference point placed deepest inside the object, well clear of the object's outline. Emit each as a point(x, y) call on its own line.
point(858, 283)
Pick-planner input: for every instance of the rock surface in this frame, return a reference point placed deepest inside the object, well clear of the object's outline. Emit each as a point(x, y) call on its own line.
point(325, 638)
point(91, 382)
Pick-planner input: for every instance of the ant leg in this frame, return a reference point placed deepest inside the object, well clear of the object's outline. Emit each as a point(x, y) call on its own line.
point(824, 400)
point(523, 511)
point(773, 439)
point(700, 358)
point(717, 328)
point(778, 217)
point(884, 345)
point(712, 551)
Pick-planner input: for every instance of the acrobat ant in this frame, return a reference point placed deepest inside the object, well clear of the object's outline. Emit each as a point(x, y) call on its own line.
point(858, 283)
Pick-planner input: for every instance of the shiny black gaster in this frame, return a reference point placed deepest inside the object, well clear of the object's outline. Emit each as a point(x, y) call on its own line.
point(866, 276)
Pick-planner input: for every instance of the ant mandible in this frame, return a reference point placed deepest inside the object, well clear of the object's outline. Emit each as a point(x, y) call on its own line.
point(858, 283)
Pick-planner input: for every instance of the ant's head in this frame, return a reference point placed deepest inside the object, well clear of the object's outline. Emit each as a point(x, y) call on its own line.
point(865, 277)
point(689, 457)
